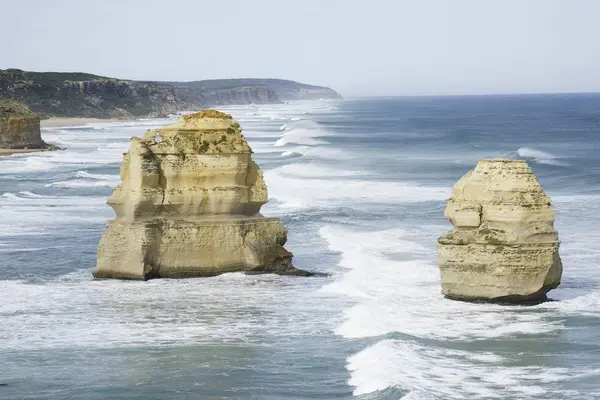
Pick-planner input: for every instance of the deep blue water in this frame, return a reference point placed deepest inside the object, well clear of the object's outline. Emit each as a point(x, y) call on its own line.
point(361, 185)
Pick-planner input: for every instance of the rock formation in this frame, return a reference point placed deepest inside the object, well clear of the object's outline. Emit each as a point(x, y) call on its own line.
point(19, 127)
point(189, 205)
point(503, 247)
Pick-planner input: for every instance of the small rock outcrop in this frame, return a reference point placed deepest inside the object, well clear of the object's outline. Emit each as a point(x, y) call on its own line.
point(189, 206)
point(19, 127)
point(503, 247)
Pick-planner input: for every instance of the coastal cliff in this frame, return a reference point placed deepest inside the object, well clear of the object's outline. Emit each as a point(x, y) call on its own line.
point(58, 94)
point(86, 95)
point(257, 94)
point(19, 127)
point(283, 90)
point(189, 205)
point(503, 247)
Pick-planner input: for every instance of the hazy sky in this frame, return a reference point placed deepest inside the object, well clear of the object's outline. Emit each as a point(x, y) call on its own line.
point(372, 47)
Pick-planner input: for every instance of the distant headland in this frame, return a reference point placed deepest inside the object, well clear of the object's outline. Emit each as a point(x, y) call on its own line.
point(76, 94)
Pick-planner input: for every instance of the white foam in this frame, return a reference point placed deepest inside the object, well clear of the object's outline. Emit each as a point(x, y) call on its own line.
point(586, 200)
point(30, 194)
point(404, 296)
point(393, 278)
point(305, 132)
point(539, 156)
point(440, 373)
point(85, 174)
point(82, 147)
point(9, 195)
point(28, 249)
point(277, 117)
point(26, 213)
point(301, 136)
point(90, 181)
point(311, 192)
point(314, 170)
point(321, 152)
point(81, 183)
point(73, 311)
point(587, 304)
point(290, 153)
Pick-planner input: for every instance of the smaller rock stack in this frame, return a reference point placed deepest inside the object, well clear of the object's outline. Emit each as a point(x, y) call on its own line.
point(503, 247)
point(19, 127)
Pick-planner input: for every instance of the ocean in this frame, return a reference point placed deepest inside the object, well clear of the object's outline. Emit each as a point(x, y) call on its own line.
point(361, 185)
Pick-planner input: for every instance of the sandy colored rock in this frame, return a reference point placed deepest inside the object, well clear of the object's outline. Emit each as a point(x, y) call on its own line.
point(189, 205)
point(503, 247)
point(19, 127)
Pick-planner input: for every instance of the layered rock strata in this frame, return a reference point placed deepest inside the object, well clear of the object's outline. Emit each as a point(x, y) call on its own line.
point(503, 247)
point(19, 127)
point(189, 205)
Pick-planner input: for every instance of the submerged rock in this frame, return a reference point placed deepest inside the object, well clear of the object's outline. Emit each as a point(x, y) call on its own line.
point(189, 205)
point(20, 127)
point(503, 247)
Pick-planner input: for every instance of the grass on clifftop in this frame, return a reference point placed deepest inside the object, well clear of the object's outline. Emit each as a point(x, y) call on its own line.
point(10, 107)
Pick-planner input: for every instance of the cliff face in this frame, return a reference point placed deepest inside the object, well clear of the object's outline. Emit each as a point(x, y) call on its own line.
point(503, 247)
point(310, 93)
point(116, 98)
point(189, 205)
point(19, 127)
point(282, 89)
point(235, 95)
point(86, 95)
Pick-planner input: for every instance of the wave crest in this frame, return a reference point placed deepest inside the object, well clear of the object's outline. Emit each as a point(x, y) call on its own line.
point(539, 156)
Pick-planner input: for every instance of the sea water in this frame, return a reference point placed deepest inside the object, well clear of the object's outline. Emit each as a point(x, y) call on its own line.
point(361, 185)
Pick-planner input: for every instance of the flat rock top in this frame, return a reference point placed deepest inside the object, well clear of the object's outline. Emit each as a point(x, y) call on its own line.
point(207, 114)
point(206, 120)
point(10, 108)
point(500, 181)
point(205, 132)
point(501, 160)
point(502, 166)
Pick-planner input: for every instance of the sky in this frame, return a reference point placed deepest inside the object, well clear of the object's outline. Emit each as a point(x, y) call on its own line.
point(359, 48)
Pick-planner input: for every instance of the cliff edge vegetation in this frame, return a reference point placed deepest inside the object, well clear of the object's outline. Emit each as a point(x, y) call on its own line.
point(66, 94)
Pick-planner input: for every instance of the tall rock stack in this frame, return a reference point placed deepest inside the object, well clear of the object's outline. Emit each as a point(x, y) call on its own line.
point(503, 247)
point(189, 206)
point(19, 127)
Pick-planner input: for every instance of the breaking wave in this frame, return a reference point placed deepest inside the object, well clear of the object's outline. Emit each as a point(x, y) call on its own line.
point(540, 156)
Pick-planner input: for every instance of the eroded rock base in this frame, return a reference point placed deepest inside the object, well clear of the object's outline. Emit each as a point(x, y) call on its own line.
point(523, 300)
point(166, 248)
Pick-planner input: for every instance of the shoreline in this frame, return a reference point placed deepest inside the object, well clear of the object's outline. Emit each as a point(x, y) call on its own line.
point(58, 122)
point(76, 121)
point(10, 152)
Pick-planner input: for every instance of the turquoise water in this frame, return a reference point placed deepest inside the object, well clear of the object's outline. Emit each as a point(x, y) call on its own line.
point(361, 185)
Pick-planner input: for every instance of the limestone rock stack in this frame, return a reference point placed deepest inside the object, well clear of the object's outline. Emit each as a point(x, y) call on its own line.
point(19, 127)
point(503, 247)
point(189, 205)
